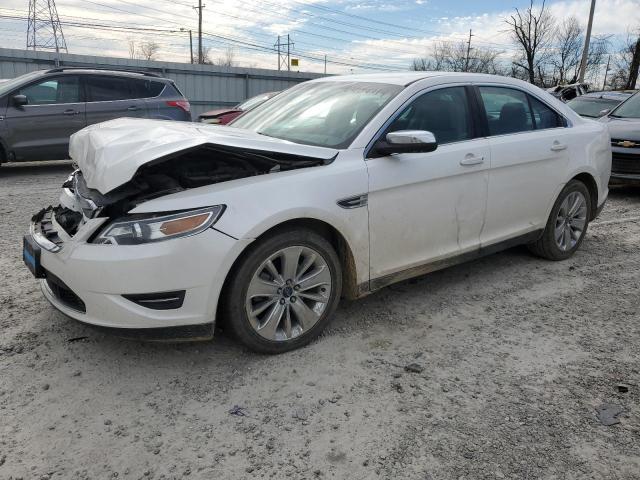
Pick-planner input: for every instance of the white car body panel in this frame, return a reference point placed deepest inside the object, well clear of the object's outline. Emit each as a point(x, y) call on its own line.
point(279, 197)
point(410, 193)
point(422, 208)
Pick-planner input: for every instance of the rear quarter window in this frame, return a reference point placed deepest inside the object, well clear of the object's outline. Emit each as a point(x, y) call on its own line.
point(146, 88)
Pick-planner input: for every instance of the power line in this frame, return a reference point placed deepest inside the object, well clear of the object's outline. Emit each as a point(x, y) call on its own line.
point(219, 38)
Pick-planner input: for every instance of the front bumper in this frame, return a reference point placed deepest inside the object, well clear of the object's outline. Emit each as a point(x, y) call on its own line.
point(99, 276)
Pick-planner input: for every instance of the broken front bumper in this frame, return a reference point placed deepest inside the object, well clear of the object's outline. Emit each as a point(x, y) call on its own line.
point(117, 286)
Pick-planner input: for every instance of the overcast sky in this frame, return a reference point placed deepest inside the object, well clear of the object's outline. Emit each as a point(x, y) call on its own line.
point(396, 30)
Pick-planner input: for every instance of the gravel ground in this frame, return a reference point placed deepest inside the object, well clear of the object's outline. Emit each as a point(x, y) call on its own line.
point(512, 356)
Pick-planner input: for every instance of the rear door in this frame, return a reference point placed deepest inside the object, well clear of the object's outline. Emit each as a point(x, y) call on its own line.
point(110, 97)
point(40, 130)
point(529, 154)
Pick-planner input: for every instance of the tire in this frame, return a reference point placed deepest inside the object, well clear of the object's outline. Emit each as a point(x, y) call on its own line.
point(303, 302)
point(551, 247)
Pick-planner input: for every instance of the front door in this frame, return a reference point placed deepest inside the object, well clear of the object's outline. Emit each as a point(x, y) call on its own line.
point(40, 130)
point(426, 207)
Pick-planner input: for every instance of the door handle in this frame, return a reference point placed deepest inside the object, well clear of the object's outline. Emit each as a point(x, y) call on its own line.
point(70, 112)
point(133, 108)
point(471, 159)
point(557, 147)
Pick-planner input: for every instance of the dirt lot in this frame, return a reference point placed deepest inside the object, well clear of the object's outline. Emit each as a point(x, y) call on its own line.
point(516, 353)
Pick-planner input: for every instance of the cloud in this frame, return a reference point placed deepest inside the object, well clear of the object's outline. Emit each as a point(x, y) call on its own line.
point(255, 24)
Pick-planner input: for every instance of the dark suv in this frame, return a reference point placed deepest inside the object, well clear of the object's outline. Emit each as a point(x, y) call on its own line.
point(40, 110)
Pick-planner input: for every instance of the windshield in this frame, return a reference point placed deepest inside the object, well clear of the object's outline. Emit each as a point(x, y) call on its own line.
point(8, 85)
point(253, 102)
point(326, 114)
point(592, 107)
point(629, 109)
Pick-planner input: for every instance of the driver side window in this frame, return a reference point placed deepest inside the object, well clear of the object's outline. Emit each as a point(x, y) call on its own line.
point(444, 112)
point(64, 89)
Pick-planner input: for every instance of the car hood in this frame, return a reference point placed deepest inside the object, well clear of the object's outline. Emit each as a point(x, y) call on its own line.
point(218, 112)
point(623, 128)
point(109, 154)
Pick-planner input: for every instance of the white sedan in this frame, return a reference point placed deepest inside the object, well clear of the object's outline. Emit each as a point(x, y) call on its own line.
point(334, 188)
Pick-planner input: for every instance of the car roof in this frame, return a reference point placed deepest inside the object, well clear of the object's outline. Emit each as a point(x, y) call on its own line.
point(407, 78)
point(104, 71)
point(607, 95)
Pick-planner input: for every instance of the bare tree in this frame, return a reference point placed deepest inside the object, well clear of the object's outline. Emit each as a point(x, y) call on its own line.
point(566, 59)
point(533, 30)
point(227, 59)
point(452, 57)
point(132, 48)
point(623, 62)
point(634, 67)
point(206, 55)
point(148, 50)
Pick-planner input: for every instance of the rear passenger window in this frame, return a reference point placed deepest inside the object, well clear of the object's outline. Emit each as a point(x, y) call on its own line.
point(507, 110)
point(104, 89)
point(545, 117)
point(146, 88)
point(444, 112)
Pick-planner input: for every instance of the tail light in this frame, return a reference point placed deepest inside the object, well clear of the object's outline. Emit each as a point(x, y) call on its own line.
point(183, 104)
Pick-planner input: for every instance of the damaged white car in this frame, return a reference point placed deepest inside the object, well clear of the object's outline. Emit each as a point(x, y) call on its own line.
point(334, 188)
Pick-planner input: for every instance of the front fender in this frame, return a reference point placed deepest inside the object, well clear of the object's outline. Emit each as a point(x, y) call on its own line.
point(256, 204)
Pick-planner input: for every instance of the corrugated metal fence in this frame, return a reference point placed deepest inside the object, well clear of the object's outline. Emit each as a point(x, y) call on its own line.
point(206, 86)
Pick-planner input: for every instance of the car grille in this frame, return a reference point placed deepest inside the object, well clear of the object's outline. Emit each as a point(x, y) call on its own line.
point(64, 294)
point(625, 163)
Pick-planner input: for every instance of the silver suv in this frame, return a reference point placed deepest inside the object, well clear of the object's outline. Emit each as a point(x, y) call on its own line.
point(40, 110)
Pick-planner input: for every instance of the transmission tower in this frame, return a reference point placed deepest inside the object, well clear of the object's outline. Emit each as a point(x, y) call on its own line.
point(43, 29)
point(284, 55)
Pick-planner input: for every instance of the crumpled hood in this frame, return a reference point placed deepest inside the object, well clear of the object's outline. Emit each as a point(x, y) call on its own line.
point(110, 153)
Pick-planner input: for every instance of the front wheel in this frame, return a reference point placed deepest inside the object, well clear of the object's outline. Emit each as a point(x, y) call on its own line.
point(284, 291)
point(567, 223)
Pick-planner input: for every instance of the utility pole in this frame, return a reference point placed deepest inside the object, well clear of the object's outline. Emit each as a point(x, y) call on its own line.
point(587, 39)
point(466, 63)
point(325, 63)
point(199, 8)
point(284, 58)
point(606, 72)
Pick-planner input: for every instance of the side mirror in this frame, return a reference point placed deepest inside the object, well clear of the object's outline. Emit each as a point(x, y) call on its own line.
point(20, 100)
point(406, 141)
point(604, 112)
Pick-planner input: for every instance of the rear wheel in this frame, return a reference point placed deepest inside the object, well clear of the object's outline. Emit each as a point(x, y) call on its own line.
point(567, 223)
point(284, 292)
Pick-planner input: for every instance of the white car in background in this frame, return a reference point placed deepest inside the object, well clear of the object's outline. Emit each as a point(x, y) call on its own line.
point(335, 188)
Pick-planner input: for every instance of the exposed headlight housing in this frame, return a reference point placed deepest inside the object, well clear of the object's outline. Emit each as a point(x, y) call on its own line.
point(139, 229)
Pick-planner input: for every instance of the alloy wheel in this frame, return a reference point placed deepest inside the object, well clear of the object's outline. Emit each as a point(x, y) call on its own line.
point(288, 293)
point(571, 221)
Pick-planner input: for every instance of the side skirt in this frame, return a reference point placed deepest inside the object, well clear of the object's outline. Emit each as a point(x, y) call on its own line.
point(381, 282)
